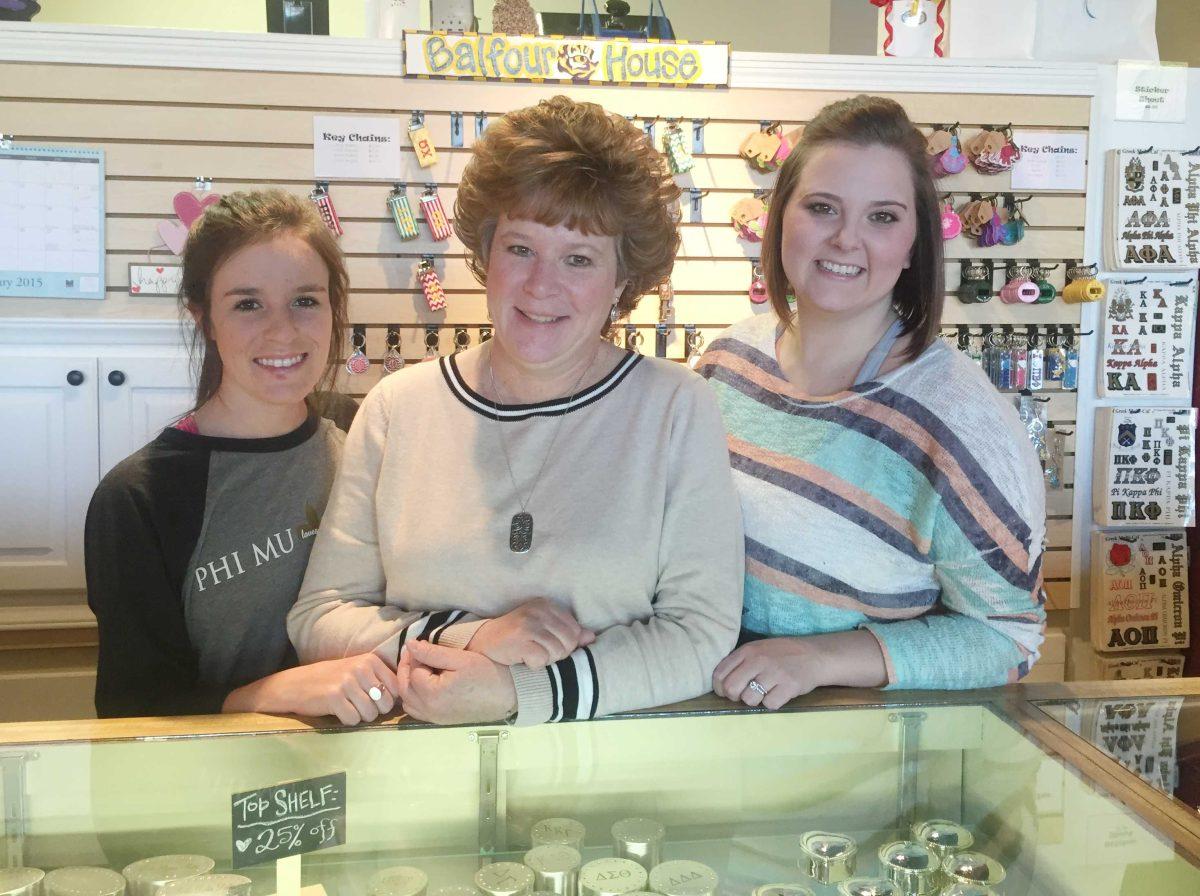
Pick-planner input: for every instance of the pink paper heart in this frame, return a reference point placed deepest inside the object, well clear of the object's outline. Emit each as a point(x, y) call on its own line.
point(189, 208)
point(174, 234)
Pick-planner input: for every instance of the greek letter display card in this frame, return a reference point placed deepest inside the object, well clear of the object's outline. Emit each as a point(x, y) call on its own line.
point(1143, 475)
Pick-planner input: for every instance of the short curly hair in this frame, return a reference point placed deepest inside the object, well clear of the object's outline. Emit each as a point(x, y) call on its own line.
point(563, 162)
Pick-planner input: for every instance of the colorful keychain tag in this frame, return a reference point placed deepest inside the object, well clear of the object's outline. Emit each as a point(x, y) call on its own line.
point(679, 160)
point(402, 213)
point(358, 363)
point(431, 285)
point(393, 361)
point(435, 214)
point(422, 143)
point(321, 199)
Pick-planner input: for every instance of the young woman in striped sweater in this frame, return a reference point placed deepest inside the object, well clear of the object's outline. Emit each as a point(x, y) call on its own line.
point(894, 509)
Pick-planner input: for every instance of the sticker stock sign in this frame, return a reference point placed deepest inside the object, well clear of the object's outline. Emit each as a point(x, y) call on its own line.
point(570, 60)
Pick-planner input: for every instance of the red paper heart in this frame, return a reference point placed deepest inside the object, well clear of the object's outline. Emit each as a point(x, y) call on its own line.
point(158, 270)
point(189, 208)
point(135, 288)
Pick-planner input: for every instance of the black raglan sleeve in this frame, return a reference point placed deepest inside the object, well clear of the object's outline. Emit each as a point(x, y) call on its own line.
point(142, 526)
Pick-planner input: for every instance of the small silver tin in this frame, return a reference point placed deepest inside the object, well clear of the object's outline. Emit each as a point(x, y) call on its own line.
point(147, 876)
point(83, 880)
point(868, 886)
point(555, 868)
point(399, 880)
point(910, 865)
point(561, 831)
point(21, 881)
point(973, 868)
point(504, 879)
point(827, 858)
point(782, 890)
point(683, 878)
point(942, 837)
point(208, 885)
point(639, 839)
point(611, 877)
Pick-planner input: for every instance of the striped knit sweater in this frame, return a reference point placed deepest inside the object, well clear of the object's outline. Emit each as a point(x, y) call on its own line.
point(912, 506)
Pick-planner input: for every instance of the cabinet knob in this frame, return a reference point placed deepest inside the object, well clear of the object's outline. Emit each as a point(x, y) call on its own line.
point(116, 378)
point(75, 377)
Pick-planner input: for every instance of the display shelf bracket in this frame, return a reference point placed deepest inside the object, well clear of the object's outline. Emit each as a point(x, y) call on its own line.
point(491, 833)
point(12, 780)
point(909, 764)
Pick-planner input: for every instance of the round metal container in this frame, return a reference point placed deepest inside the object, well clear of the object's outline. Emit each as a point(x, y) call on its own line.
point(782, 890)
point(21, 881)
point(827, 858)
point(911, 866)
point(399, 880)
point(868, 886)
point(973, 868)
point(639, 839)
point(611, 877)
point(208, 885)
point(83, 880)
point(456, 890)
point(943, 838)
point(683, 878)
point(147, 876)
point(504, 879)
point(560, 831)
point(555, 868)
point(967, 890)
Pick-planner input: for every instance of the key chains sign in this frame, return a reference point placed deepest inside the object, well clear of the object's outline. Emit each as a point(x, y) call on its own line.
point(288, 819)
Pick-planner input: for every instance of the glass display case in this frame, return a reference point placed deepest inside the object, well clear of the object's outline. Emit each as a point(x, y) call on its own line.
point(696, 801)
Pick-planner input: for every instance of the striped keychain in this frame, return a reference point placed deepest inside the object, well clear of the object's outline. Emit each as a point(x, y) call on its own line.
point(435, 214)
point(679, 160)
point(320, 198)
point(431, 285)
point(402, 213)
point(421, 141)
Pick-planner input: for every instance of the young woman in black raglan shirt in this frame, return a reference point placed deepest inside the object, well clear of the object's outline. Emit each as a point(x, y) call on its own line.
point(196, 545)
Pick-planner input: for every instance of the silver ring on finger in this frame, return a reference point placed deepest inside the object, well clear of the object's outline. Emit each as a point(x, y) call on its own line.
point(757, 687)
point(375, 693)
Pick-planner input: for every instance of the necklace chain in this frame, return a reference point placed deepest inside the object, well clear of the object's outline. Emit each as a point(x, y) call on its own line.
point(558, 428)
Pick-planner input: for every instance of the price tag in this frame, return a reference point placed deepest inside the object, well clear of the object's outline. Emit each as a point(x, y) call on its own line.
point(288, 819)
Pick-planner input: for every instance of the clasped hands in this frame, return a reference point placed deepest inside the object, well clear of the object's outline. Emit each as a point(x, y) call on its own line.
point(447, 686)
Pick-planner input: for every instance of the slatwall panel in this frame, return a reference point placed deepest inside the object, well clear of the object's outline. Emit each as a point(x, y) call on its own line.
point(161, 128)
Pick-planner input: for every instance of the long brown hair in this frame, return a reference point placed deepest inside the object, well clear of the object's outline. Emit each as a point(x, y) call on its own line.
point(237, 221)
point(920, 290)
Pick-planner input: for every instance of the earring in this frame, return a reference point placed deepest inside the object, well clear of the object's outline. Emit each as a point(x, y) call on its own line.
point(614, 314)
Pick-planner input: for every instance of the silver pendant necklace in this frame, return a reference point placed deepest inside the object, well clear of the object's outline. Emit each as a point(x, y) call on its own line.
point(520, 529)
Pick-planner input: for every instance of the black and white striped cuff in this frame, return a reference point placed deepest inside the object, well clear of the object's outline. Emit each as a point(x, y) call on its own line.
point(430, 627)
point(574, 687)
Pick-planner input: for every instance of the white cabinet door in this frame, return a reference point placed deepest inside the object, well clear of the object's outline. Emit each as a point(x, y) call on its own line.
point(48, 468)
point(139, 395)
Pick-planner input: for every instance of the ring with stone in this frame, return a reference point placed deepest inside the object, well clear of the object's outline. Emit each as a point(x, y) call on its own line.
point(756, 687)
point(375, 693)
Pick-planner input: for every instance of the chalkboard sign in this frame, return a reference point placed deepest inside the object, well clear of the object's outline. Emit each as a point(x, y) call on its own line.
point(288, 819)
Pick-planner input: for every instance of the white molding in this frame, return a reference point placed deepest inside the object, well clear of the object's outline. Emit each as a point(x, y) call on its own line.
point(168, 48)
point(31, 332)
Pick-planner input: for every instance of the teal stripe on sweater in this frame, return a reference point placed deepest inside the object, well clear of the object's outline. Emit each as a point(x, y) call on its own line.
point(768, 610)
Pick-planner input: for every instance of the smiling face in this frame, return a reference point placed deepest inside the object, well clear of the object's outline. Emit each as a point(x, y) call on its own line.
point(849, 228)
point(271, 322)
point(549, 292)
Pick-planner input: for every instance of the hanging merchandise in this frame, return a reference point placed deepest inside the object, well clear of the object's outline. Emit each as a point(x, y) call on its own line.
point(1014, 220)
point(1150, 217)
point(679, 160)
point(1032, 411)
point(433, 349)
point(435, 214)
point(693, 343)
point(392, 359)
point(749, 217)
point(1020, 362)
point(1070, 347)
point(188, 207)
point(951, 223)
point(358, 363)
point(975, 282)
point(945, 151)
point(1139, 591)
point(1052, 466)
point(766, 148)
point(1143, 468)
point(431, 284)
point(1082, 285)
point(1055, 358)
point(1149, 325)
point(666, 302)
point(321, 199)
point(992, 150)
point(402, 213)
point(1020, 288)
point(422, 142)
point(1046, 290)
point(976, 215)
point(1037, 358)
point(758, 286)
